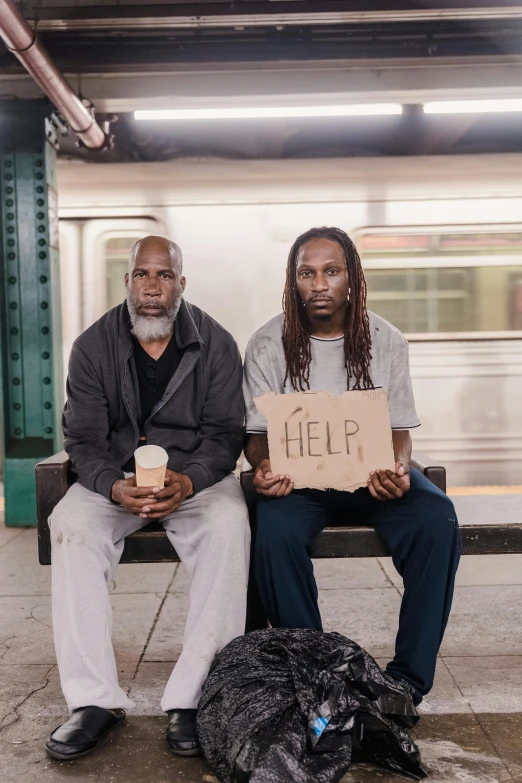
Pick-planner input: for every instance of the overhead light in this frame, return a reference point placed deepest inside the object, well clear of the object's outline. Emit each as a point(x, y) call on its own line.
point(245, 113)
point(473, 107)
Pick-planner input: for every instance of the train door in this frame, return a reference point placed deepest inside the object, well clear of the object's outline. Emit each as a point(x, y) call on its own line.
point(93, 261)
point(106, 245)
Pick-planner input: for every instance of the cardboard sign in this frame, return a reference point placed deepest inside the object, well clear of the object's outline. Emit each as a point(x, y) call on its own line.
point(328, 441)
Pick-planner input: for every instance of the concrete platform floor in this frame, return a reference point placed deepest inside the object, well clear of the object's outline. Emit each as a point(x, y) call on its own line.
point(472, 721)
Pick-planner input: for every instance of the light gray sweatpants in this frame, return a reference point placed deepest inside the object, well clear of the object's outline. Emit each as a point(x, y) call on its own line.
point(210, 533)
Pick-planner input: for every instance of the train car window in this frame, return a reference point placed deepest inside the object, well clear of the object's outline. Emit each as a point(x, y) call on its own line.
point(117, 251)
point(423, 300)
point(450, 282)
point(424, 244)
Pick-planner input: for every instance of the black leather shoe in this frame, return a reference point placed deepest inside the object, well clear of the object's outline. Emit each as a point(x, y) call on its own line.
point(181, 733)
point(82, 732)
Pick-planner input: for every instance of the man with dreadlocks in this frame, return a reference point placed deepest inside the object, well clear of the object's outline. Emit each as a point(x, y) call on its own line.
point(326, 340)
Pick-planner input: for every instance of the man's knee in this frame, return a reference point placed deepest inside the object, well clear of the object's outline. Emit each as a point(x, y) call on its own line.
point(437, 519)
point(68, 532)
point(440, 508)
point(279, 526)
point(69, 523)
point(65, 524)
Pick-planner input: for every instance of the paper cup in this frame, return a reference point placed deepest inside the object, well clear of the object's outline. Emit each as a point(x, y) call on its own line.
point(151, 464)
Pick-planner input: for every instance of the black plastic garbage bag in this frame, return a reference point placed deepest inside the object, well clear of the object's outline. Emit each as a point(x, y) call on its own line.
point(288, 705)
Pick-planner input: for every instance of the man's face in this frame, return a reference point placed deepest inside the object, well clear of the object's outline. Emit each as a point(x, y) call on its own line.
point(155, 286)
point(322, 278)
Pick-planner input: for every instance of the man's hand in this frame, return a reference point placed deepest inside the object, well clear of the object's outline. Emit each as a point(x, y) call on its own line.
point(132, 498)
point(153, 502)
point(387, 485)
point(268, 484)
point(177, 488)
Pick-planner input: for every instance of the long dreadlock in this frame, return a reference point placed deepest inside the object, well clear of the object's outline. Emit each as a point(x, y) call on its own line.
point(296, 338)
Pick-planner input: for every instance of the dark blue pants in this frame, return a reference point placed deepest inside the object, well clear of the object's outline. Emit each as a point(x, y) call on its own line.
point(421, 530)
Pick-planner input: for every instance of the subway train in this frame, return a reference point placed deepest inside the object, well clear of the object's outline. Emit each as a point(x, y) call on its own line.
point(441, 243)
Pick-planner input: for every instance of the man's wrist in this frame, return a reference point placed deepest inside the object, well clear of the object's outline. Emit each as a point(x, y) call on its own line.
point(256, 449)
point(115, 492)
point(189, 484)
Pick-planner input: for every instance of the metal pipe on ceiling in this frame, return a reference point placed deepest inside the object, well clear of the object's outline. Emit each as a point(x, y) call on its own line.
point(23, 42)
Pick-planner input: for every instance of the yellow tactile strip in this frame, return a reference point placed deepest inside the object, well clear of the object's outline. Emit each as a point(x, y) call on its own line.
point(486, 490)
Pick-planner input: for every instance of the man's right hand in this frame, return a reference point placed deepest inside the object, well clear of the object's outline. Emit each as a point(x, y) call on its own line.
point(268, 484)
point(130, 497)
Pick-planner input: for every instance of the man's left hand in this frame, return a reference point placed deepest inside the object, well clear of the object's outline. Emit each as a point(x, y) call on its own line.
point(177, 488)
point(387, 485)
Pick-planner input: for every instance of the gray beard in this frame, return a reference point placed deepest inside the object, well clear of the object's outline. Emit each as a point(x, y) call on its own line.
point(148, 328)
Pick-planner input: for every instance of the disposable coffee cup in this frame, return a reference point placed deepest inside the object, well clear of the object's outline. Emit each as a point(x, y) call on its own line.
point(151, 464)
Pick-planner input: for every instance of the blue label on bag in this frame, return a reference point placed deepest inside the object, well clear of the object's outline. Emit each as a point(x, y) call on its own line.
point(320, 725)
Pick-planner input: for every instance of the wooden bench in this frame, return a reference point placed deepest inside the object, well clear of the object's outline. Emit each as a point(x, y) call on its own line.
point(151, 545)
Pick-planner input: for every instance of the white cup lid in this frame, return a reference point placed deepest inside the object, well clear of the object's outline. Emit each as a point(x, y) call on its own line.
point(150, 457)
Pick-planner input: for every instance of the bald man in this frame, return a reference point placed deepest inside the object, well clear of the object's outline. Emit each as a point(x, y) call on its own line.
point(154, 370)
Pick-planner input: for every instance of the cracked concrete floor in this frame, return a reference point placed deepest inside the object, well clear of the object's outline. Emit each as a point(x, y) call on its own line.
point(472, 724)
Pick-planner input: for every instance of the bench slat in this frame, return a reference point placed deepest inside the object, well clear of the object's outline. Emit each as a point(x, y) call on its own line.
point(151, 545)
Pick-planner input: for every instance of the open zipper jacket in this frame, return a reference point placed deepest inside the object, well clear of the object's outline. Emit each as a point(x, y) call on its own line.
point(199, 420)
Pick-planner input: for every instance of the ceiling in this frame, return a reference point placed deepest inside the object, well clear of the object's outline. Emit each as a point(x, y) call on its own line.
point(133, 55)
point(93, 34)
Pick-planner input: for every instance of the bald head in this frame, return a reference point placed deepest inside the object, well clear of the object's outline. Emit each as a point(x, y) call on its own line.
point(159, 248)
point(155, 286)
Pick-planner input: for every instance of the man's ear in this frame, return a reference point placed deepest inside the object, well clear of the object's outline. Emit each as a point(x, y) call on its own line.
point(126, 279)
point(183, 283)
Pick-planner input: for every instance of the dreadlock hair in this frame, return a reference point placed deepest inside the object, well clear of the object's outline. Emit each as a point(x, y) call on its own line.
point(296, 337)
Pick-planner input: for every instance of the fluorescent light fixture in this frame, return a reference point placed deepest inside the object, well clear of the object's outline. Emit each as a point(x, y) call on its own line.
point(245, 113)
point(473, 107)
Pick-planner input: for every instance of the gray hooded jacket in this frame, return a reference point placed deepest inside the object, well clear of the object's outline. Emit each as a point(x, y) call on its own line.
point(199, 420)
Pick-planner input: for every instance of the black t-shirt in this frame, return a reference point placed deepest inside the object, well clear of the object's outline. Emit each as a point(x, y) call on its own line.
point(153, 378)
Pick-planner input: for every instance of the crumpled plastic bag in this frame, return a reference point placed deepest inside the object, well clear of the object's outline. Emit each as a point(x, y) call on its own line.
point(283, 705)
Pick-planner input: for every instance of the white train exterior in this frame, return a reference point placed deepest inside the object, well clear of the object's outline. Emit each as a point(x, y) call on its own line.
point(441, 243)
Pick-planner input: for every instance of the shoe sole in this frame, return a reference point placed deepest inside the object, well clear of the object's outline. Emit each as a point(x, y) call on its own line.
point(61, 757)
point(186, 753)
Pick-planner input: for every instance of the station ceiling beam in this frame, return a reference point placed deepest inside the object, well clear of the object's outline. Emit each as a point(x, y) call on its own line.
point(227, 14)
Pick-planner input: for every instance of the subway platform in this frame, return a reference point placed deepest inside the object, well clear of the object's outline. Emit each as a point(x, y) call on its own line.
point(471, 728)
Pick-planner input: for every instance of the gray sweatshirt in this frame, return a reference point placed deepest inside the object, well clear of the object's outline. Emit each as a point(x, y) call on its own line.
point(199, 419)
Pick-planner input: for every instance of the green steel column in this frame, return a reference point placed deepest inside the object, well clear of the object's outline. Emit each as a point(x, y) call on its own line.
point(30, 323)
